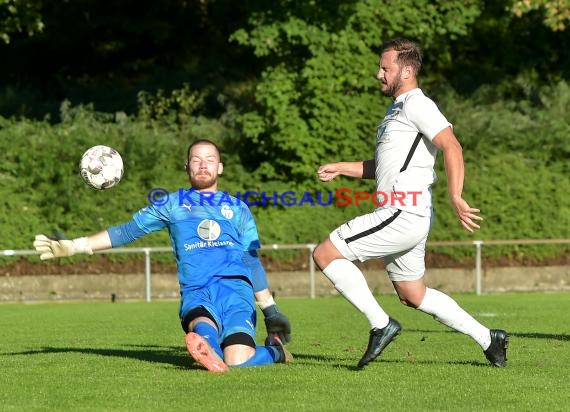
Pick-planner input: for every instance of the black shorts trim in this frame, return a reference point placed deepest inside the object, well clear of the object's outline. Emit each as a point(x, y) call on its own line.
point(194, 313)
point(238, 338)
point(374, 229)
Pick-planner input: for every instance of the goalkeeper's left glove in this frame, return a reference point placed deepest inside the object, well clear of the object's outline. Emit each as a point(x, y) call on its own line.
point(275, 322)
point(50, 249)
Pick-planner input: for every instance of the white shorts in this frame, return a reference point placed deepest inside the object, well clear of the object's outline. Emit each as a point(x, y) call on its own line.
point(395, 235)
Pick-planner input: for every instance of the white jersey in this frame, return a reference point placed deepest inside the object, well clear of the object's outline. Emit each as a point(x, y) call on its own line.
point(404, 182)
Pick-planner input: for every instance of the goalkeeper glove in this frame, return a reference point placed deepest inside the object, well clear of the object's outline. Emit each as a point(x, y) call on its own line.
point(49, 249)
point(276, 322)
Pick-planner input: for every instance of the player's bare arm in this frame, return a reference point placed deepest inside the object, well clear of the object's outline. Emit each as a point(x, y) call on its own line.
point(100, 241)
point(454, 169)
point(361, 169)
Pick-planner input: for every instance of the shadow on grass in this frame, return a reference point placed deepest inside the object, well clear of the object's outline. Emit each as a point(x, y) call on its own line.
point(319, 360)
point(538, 335)
point(178, 358)
point(333, 362)
point(169, 355)
point(532, 335)
point(482, 363)
point(310, 357)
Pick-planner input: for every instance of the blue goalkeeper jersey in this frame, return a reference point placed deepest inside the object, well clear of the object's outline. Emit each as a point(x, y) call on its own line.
point(209, 233)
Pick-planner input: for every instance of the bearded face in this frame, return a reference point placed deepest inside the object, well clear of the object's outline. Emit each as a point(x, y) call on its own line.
point(204, 166)
point(390, 74)
point(391, 87)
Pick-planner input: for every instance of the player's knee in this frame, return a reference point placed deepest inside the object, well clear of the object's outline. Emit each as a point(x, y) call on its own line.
point(412, 299)
point(411, 293)
point(238, 348)
point(409, 297)
point(317, 256)
point(323, 254)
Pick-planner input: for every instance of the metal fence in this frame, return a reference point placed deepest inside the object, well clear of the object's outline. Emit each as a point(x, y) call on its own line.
point(477, 246)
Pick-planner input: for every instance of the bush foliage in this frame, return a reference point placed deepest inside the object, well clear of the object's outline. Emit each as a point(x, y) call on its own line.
point(516, 173)
point(282, 88)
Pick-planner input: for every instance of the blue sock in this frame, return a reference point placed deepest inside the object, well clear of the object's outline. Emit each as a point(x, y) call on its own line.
point(264, 355)
point(209, 333)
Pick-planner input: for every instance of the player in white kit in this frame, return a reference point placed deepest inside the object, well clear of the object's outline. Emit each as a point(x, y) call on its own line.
point(407, 142)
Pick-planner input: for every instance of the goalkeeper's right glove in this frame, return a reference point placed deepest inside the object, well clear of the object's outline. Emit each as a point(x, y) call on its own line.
point(277, 323)
point(50, 249)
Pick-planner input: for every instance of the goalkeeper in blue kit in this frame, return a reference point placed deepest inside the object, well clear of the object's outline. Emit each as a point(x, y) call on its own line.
point(215, 242)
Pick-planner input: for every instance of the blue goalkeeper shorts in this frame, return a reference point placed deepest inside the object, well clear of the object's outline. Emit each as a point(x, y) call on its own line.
point(230, 302)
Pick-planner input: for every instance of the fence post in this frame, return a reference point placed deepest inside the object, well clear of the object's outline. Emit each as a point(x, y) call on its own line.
point(311, 271)
point(478, 244)
point(147, 273)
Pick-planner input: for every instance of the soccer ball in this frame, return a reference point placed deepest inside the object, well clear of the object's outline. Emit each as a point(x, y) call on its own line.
point(101, 167)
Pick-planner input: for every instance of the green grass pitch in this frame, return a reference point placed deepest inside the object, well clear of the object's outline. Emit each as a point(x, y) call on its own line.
point(130, 356)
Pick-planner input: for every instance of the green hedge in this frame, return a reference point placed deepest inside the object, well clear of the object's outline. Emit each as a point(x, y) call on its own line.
point(516, 173)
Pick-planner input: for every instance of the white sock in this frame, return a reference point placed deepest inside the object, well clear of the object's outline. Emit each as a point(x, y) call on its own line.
point(350, 282)
point(445, 310)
